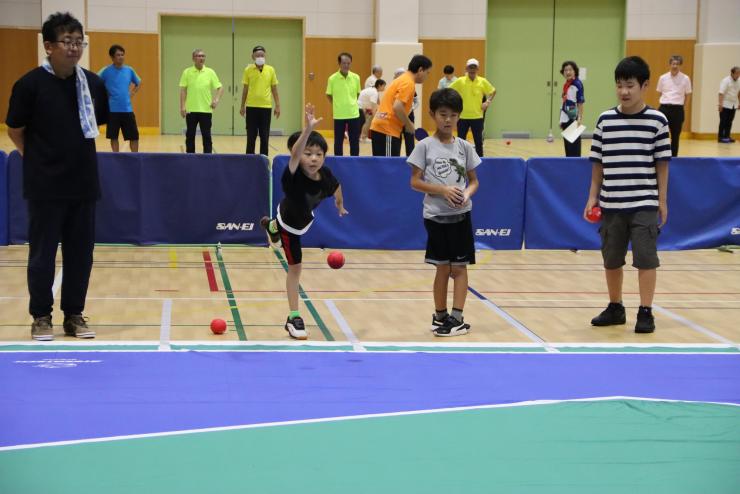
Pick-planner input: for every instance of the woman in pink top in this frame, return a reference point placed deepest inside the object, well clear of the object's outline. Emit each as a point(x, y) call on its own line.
point(674, 87)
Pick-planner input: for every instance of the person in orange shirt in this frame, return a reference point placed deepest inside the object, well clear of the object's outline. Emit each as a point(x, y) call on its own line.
point(392, 117)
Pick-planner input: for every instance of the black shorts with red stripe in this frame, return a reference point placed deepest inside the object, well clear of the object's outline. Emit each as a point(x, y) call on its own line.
point(291, 245)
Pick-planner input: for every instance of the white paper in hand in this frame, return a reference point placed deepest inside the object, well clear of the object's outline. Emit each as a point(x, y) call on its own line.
point(573, 131)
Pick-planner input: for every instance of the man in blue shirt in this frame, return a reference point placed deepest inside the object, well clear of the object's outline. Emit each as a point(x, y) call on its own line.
point(122, 82)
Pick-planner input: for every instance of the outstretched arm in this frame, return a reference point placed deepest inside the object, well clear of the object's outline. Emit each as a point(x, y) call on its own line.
point(339, 201)
point(300, 144)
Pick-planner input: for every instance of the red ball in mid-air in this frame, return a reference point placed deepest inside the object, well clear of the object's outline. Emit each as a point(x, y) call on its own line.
point(594, 216)
point(335, 259)
point(218, 326)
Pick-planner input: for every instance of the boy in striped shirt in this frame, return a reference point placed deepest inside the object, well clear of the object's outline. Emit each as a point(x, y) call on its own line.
point(629, 181)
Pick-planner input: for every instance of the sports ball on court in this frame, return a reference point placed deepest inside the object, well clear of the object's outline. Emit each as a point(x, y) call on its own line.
point(218, 326)
point(335, 259)
point(594, 216)
point(508, 142)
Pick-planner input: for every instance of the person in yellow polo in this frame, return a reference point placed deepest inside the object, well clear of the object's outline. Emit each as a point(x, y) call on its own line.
point(342, 89)
point(258, 91)
point(197, 101)
point(477, 94)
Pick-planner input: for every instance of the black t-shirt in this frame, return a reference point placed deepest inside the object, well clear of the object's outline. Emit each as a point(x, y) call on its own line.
point(303, 195)
point(58, 161)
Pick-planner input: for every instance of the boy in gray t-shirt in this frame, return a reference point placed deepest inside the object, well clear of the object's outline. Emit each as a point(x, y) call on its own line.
point(443, 167)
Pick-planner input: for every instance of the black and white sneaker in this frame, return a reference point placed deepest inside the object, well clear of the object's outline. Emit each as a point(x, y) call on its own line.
point(452, 327)
point(437, 323)
point(296, 328)
point(266, 223)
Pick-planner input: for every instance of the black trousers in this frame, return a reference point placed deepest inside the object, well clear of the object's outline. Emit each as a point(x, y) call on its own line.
point(385, 145)
point(258, 124)
point(192, 120)
point(572, 149)
point(72, 223)
point(354, 126)
point(675, 116)
point(476, 125)
point(409, 139)
point(726, 116)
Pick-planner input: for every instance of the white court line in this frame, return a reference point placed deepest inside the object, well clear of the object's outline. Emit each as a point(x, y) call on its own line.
point(356, 417)
point(57, 282)
point(166, 325)
point(344, 326)
point(695, 326)
point(517, 325)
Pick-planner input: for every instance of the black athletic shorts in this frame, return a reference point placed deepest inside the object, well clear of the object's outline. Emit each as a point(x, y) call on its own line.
point(450, 243)
point(126, 122)
point(291, 245)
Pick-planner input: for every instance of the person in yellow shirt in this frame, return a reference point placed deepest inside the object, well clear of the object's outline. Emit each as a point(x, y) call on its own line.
point(197, 100)
point(392, 117)
point(477, 94)
point(258, 92)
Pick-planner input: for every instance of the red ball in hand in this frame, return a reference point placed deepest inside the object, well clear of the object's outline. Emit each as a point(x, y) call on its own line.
point(335, 259)
point(594, 215)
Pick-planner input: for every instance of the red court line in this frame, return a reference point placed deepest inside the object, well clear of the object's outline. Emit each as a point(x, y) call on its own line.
point(209, 271)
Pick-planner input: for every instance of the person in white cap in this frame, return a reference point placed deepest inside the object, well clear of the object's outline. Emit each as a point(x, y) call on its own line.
point(473, 89)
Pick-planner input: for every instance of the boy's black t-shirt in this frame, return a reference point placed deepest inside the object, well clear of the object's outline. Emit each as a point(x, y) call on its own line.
point(303, 195)
point(58, 161)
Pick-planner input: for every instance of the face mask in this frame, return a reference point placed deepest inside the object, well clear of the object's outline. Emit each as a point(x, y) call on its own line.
point(259, 61)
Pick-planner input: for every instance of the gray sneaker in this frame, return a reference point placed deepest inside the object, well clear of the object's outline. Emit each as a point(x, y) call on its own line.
point(76, 325)
point(42, 329)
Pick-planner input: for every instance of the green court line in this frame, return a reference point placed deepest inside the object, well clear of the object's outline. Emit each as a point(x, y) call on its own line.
point(230, 296)
point(327, 334)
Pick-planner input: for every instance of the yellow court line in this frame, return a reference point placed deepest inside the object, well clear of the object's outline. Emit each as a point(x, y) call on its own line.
point(173, 258)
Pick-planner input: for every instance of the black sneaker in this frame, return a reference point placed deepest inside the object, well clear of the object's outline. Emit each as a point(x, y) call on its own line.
point(437, 323)
point(645, 320)
point(296, 328)
point(265, 224)
point(452, 327)
point(613, 314)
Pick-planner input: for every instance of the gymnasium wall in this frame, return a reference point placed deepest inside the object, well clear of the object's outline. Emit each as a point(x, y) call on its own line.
point(21, 43)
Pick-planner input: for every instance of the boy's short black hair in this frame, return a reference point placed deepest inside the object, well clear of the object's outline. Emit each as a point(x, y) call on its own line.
point(632, 67)
point(449, 69)
point(378, 83)
point(572, 64)
point(344, 54)
point(419, 62)
point(446, 98)
point(60, 23)
point(314, 139)
point(114, 48)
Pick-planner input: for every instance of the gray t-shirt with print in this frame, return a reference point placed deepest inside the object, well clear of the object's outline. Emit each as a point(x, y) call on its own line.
point(444, 164)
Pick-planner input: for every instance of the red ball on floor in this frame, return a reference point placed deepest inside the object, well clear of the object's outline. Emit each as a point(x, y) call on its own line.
point(218, 326)
point(335, 259)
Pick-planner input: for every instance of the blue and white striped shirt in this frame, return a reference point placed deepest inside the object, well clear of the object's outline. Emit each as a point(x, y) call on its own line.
point(628, 146)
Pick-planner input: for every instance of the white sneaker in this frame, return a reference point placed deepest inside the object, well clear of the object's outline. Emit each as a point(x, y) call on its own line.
point(296, 329)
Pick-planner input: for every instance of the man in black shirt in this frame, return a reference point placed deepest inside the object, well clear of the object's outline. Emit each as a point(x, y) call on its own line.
point(52, 120)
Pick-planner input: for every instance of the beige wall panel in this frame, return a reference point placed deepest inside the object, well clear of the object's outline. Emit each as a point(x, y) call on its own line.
point(22, 44)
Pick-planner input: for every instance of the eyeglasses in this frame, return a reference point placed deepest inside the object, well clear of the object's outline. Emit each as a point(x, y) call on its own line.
point(68, 43)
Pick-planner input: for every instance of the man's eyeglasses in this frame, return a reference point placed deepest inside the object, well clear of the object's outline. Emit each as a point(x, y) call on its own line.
point(68, 43)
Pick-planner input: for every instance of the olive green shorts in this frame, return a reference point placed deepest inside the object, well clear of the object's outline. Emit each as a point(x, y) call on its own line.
point(619, 229)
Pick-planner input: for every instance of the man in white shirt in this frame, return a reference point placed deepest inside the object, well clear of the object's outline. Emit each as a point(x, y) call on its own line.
point(377, 73)
point(729, 91)
point(674, 87)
